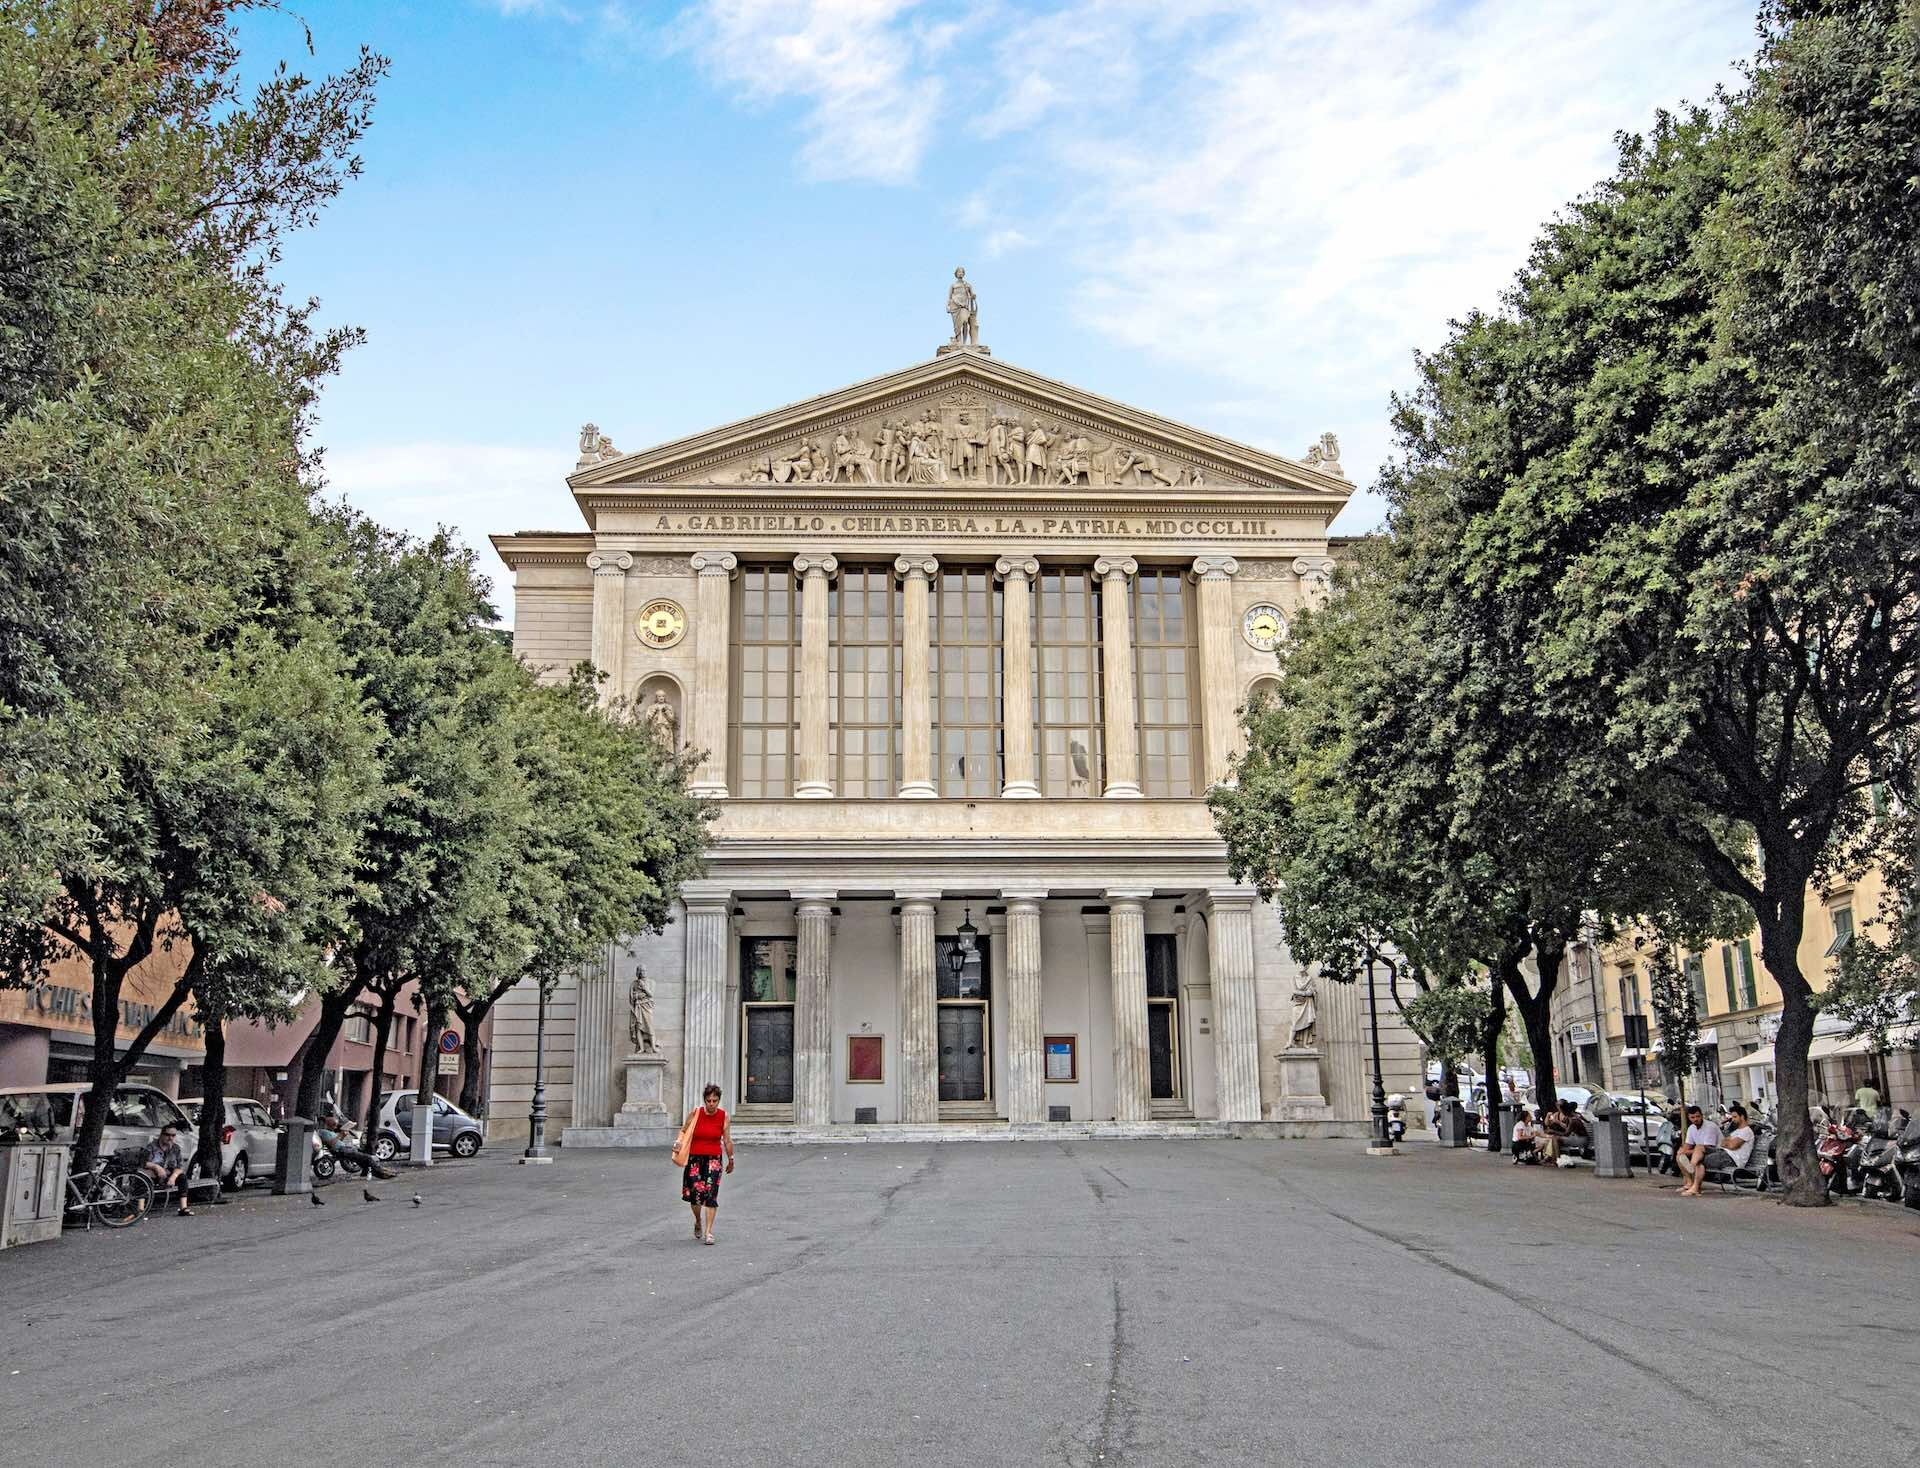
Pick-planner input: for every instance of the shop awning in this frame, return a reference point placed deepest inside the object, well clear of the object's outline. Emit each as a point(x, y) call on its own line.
point(1826, 1047)
point(1762, 1056)
point(1709, 1040)
point(1898, 1038)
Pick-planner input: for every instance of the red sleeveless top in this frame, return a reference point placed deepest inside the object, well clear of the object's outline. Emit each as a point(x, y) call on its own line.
point(706, 1132)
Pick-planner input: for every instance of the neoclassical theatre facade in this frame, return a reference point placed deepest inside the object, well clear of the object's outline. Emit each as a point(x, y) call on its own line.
point(961, 649)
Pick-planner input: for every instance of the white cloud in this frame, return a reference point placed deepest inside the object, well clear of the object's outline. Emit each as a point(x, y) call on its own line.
point(862, 68)
point(475, 489)
point(1294, 196)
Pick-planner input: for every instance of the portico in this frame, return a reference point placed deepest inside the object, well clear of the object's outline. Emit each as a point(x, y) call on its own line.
point(959, 652)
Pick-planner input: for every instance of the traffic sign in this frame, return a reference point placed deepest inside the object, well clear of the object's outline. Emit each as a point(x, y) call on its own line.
point(449, 1065)
point(449, 1042)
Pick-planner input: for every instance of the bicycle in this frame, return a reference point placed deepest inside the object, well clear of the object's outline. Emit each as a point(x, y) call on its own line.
point(116, 1199)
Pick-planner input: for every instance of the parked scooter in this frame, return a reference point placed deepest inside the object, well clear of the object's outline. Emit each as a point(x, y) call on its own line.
point(1876, 1171)
point(1835, 1148)
point(1396, 1118)
point(1907, 1162)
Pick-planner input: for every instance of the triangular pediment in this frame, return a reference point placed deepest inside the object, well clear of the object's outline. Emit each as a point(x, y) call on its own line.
point(960, 419)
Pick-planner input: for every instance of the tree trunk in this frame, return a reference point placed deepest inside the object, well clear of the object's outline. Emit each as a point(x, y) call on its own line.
point(311, 1063)
point(470, 1097)
point(382, 1027)
point(1490, 1052)
point(213, 1090)
point(1780, 931)
point(103, 1075)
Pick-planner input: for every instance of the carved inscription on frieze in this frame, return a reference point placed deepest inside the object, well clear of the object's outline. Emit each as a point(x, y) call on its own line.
point(1197, 527)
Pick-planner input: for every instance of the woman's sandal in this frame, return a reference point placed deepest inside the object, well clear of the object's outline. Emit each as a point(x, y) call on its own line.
point(708, 1239)
point(187, 1213)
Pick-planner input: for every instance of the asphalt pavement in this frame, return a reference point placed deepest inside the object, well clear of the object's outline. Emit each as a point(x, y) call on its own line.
point(1086, 1303)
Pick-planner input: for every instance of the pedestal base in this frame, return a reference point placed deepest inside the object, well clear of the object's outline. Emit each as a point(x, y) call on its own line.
point(646, 1105)
point(1302, 1096)
point(950, 348)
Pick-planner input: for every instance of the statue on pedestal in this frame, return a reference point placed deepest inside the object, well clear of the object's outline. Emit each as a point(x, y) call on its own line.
point(964, 310)
point(640, 1016)
point(1306, 1015)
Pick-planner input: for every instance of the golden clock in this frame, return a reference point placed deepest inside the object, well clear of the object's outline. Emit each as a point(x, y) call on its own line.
point(661, 623)
point(1263, 626)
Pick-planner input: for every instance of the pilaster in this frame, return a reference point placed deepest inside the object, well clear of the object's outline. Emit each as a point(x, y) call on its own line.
point(593, 1045)
point(1116, 655)
point(916, 694)
point(713, 612)
point(1236, 1044)
point(1016, 691)
point(609, 618)
point(812, 1011)
point(811, 777)
point(1026, 1064)
point(705, 1024)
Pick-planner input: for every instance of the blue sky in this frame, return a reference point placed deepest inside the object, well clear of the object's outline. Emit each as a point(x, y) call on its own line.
point(661, 217)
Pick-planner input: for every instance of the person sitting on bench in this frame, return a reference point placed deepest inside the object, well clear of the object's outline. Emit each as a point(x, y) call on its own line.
point(167, 1166)
point(1553, 1132)
point(1702, 1138)
point(1523, 1150)
point(1736, 1146)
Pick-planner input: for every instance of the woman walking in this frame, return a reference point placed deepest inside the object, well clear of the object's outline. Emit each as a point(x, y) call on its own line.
point(700, 1183)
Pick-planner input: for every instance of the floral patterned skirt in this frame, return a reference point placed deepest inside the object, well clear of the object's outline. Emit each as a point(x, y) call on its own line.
point(700, 1183)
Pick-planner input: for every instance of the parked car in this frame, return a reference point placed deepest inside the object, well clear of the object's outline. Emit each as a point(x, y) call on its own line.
point(249, 1141)
point(54, 1113)
point(453, 1130)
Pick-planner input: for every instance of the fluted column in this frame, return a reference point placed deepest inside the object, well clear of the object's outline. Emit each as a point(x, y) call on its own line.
point(1026, 1064)
point(713, 636)
point(1016, 688)
point(1132, 1073)
point(706, 990)
point(1236, 1031)
point(916, 694)
point(1116, 655)
point(812, 1013)
point(609, 617)
point(593, 1044)
point(1218, 700)
point(811, 776)
point(919, 1043)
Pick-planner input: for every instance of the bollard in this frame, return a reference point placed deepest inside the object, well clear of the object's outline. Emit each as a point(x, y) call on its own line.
point(293, 1158)
point(1610, 1143)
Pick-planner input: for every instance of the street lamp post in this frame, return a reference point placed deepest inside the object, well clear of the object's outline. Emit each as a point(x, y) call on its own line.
point(537, 1117)
point(1380, 1144)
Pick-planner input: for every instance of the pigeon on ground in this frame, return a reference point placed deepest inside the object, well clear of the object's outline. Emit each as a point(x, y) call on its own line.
point(316, 1200)
point(417, 1200)
point(368, 1197)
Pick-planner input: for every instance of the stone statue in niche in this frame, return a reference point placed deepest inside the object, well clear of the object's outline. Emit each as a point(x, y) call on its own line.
point(1325, 455)
point(1306, 1014)
point(661, 721)
point(965, 311)
point(1144, 468)
point(640, 1016)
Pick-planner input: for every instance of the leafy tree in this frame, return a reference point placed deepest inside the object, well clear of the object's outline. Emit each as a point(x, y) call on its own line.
point(158, 630)
point(1676, 1015)
point(1452, 1019)
point(1706, 523)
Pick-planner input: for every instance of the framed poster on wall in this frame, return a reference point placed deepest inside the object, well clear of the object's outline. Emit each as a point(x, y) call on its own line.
point(866, 1059)
point(1063, 1057)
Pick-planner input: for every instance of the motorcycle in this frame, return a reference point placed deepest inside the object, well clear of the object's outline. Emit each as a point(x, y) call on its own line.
point(326, 1163)
point(1396, 1118)
point(1835, 1148)
point(1907, 1163)
point(1877, 1170)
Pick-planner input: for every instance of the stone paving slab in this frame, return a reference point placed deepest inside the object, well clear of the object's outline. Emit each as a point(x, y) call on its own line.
point(1088, 1302)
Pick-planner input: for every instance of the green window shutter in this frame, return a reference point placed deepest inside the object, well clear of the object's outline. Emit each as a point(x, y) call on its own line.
point(1733, 994)
point(1748, 988)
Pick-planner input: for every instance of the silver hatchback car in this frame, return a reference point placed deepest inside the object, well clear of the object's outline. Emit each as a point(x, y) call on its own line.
point(249, 1141)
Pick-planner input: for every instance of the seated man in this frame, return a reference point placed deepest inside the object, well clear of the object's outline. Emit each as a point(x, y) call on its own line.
point(166, 1165)
point(1702, 1137)
point(333, 1135)
point(1523, 1150)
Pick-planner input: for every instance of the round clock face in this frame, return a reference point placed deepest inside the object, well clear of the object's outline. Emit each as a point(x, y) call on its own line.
point(1263, 626)
point(661, 623)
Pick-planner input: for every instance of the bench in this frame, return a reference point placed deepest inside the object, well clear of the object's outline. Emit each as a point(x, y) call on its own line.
point(1754, 1174)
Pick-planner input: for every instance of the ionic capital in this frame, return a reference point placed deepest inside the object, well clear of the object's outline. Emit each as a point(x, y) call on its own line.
point(1214, 568)
point(816, 565)
point(917, 564)
point(1116, 568)
point(1016, 568)
point(609, 563)
point(713, 563)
